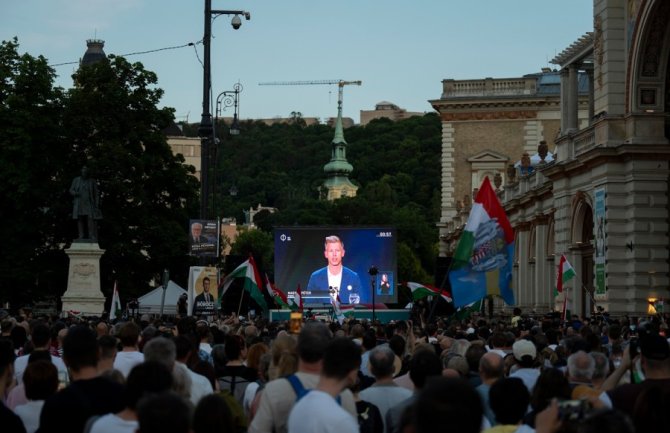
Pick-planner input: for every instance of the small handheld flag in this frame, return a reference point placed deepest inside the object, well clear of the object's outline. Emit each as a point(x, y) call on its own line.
point(115, 307)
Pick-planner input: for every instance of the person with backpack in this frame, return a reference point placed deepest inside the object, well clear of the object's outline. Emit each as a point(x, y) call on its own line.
point(235, 376)
point(319, 409)
point(280, 394)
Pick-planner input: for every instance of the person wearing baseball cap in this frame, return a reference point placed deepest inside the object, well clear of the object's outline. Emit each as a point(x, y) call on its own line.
point(525, 355)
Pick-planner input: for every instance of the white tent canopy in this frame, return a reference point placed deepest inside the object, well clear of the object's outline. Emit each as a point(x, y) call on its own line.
point(151, 302)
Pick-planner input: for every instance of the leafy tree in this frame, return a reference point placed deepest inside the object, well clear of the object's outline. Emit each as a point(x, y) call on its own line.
point(33, 155)
point(108, 121)
point(113, 123)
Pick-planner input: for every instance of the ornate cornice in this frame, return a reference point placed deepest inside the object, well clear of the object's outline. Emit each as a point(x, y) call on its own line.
point(489, 115)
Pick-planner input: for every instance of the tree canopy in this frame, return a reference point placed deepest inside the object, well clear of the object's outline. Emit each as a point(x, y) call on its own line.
point(110, 122)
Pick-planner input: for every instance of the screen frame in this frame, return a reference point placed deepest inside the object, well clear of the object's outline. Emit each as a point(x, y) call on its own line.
point(295, 264)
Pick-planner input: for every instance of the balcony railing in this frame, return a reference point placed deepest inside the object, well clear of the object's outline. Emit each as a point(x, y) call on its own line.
point(584, 141)
point(488, 87)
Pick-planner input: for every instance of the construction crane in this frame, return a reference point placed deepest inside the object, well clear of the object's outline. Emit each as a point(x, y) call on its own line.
point(340, 85)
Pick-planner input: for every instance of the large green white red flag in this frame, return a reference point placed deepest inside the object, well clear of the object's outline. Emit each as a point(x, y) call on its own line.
point(252, 282)
point(482, 262)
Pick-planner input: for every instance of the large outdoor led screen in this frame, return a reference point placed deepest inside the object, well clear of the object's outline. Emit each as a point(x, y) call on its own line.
point(300, 259)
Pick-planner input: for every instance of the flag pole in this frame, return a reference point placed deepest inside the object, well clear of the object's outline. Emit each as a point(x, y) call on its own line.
point(239, 307)
point(444, 280)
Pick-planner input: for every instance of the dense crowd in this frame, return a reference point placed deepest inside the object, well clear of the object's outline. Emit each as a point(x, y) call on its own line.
point(495, 375)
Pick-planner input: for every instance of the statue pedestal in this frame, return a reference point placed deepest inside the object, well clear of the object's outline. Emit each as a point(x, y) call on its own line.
point(83, 282)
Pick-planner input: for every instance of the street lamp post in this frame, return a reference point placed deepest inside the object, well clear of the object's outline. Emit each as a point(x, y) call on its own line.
point(230, 98)
point(206, 129)
point(227, 98)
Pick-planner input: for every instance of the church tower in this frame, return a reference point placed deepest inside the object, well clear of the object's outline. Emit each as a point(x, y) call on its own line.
point(337, 171)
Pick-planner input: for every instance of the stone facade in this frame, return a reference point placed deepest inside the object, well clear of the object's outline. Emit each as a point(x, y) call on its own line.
point(486, 126)
point(603, 200)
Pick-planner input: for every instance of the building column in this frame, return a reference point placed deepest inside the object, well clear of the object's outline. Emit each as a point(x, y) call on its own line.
point(564, 101)
point(542, 284)
point(573, 98)
point(448, 201)
point(523, 295)
point(589, 74)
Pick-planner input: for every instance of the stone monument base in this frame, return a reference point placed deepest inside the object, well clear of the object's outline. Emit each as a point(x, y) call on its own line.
point(83, 294)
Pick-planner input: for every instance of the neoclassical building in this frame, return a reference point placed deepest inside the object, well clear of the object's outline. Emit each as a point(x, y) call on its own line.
point(603, 198)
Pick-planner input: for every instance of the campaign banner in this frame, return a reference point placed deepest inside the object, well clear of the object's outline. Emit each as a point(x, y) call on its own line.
point(203, 239)
point(203, 291)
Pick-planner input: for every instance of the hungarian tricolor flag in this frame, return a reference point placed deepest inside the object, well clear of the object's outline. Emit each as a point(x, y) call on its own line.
point(252, 282)
point(420, 291)
point(276, 294)
point(115, 307)
point(482, 263)
point(564, 273)
point(297, 300)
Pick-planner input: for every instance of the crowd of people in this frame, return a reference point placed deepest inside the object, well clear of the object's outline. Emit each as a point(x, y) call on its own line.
point(491, 375)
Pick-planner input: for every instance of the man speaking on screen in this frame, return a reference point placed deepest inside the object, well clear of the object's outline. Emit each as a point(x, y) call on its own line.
point(336, 278)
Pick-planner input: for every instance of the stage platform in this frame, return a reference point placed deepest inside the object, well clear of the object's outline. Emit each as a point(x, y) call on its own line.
point(382, 315)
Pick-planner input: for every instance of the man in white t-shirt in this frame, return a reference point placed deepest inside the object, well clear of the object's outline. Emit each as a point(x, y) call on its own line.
point(130, 355)
point(319, 411)
point(200, 385)
point(40, 336)
point(335, 279)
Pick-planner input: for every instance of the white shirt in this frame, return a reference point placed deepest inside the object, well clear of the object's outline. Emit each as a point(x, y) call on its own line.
point(200, 385)
point(278, 399)
point(125, 361)
point(318, 412)
point(249, 395)
point(30, 414)
point(385, 397)
point(111, 423)
point(528, 376)
point(21, 363)
point(206, 347)
point(335, 281)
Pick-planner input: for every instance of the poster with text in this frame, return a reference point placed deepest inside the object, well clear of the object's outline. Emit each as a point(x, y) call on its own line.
point(203, 291)
point(203, 238)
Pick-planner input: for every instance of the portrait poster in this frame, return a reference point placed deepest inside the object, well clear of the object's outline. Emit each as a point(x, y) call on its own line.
point(203, 237)
point(203, 291)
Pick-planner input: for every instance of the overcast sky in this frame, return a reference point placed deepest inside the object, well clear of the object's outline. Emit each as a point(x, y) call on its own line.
point(401, 50)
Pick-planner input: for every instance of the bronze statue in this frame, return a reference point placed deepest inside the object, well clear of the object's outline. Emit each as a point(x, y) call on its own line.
point(86, 206)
